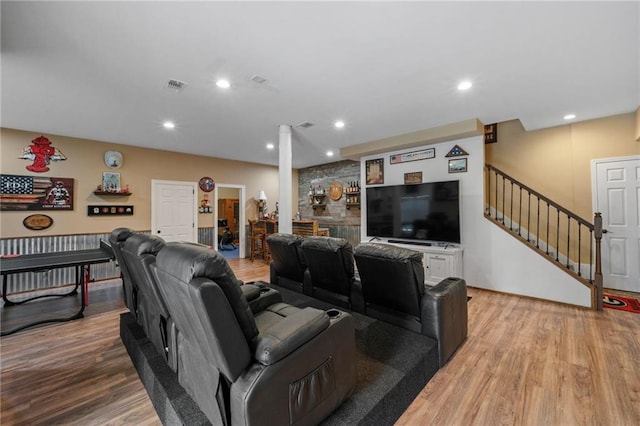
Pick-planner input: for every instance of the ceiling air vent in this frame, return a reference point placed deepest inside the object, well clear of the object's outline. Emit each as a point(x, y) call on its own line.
point(305, 124)
point(258, 79)
point(176, 85)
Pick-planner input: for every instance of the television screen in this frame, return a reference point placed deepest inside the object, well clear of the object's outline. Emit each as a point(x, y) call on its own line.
point(427, 211)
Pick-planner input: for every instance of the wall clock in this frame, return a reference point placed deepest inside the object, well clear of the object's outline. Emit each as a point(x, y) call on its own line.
point(113, 159)
point(207, 184)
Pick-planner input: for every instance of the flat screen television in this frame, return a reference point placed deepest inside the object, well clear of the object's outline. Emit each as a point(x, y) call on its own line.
point(423, 212)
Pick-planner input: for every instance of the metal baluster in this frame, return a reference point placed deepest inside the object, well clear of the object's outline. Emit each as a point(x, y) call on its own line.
point(548, 229)
point(503, 184)
point(538, 225)
point(520, 212)
point(528, 214)
point(591, 255)
point(511, 214)
point(579, 249)
point(568, 239)
point(558, 238)
point(496, 208)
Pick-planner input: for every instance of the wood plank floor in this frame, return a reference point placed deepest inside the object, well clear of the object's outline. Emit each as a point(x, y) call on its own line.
point(525, 362)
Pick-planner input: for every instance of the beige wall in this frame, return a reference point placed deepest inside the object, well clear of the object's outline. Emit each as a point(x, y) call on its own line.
point(557, 161)
point(85, 163)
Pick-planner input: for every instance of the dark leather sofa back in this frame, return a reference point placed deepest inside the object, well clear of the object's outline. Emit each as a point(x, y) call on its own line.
point(117, 239)
point(391, 276)
point(203, 290)
point(287, 260)
point(139, 253)
point(331, 268)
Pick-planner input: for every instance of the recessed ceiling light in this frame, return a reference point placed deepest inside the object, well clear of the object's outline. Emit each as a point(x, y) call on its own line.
point(569, 116)
point(339, 124)
point(329, 153)
point(464, 85)
point(168, 125)
point(270, 146)
point(223, 84)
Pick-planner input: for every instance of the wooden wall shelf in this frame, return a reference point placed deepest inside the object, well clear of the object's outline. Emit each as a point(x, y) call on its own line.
point(111, 193)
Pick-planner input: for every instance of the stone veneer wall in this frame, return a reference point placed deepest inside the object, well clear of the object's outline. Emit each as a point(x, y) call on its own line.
point(342, 222)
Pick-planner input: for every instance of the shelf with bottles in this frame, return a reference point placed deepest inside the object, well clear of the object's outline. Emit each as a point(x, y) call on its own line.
point(317, 196)
point(352, 194)
point(101, 192)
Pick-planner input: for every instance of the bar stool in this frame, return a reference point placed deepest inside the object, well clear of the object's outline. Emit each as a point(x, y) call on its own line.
point(258, 239)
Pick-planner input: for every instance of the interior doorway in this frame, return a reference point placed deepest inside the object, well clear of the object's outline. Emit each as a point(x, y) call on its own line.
point(229, 217)
point(616, 194)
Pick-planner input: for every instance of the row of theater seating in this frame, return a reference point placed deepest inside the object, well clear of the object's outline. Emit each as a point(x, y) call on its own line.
point(241, 354)
point(388, 284)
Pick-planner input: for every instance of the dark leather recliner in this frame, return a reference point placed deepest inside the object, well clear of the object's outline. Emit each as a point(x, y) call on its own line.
point(331, 271)
point(392, 280)
point(117, 240)
point(282, 365)
point(287, 265)
point(139, 252)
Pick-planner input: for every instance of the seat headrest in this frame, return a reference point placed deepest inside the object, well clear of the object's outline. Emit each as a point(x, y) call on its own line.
point(187, 261)
point(387, 251)
point(284, 239)
point(120, 234)
point(327, 243)
point(144, 244)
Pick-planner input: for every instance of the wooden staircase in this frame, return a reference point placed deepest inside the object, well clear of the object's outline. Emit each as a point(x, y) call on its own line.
point(554, 232)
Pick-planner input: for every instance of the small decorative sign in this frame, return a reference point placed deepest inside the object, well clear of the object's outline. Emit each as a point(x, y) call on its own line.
point(375, 171)
point(42, 153)
point(37, 222)
point(423, 154)
point(335, 190)
point(35, 193)
point(412, 178)
point(456, 151)
point(491, 133)
point(103, 210)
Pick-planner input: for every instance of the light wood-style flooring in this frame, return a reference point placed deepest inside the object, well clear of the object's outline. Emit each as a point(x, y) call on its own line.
point(525, 362)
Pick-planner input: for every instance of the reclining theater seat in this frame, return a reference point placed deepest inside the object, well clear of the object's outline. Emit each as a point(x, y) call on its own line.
point(331, 273)
point(139, 252)
point(287, 266)
point(393, 289)
point(117, 239)
point(242, 369)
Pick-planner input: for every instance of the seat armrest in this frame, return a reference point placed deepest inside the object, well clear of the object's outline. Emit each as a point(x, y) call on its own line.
point(289, 334)
point(250, 291)
point(444, 315)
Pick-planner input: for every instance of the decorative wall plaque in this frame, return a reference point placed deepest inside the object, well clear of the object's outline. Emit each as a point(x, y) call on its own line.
point(35, 193)
point(37, 222)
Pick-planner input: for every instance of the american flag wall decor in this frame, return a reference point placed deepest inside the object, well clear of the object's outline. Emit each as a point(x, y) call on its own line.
point(35, 193)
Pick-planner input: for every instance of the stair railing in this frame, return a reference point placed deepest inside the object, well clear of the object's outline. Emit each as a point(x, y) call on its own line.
point(561, 235)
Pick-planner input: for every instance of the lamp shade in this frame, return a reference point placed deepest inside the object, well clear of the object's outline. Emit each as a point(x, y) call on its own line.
point(262, 196)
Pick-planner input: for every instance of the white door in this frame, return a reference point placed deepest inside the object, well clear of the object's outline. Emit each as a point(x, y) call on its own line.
point(617, 197)
point(174, 210)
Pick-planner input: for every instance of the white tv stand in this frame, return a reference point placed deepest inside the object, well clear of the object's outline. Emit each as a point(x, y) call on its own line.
point(439, 262)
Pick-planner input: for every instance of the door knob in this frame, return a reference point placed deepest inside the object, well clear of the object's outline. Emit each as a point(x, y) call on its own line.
point(604, 231)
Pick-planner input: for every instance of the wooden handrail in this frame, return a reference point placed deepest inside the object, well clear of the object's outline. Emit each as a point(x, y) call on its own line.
point(534, 220)
point(542, 197)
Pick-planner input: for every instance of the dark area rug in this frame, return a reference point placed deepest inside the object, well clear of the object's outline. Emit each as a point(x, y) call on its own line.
point(393, 366)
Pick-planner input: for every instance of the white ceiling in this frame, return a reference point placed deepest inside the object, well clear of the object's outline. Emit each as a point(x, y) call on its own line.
point(99, 70)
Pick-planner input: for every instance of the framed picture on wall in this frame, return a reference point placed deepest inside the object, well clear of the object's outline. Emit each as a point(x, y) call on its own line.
point(110, 182)
point(458, 165)
point(375, 171)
